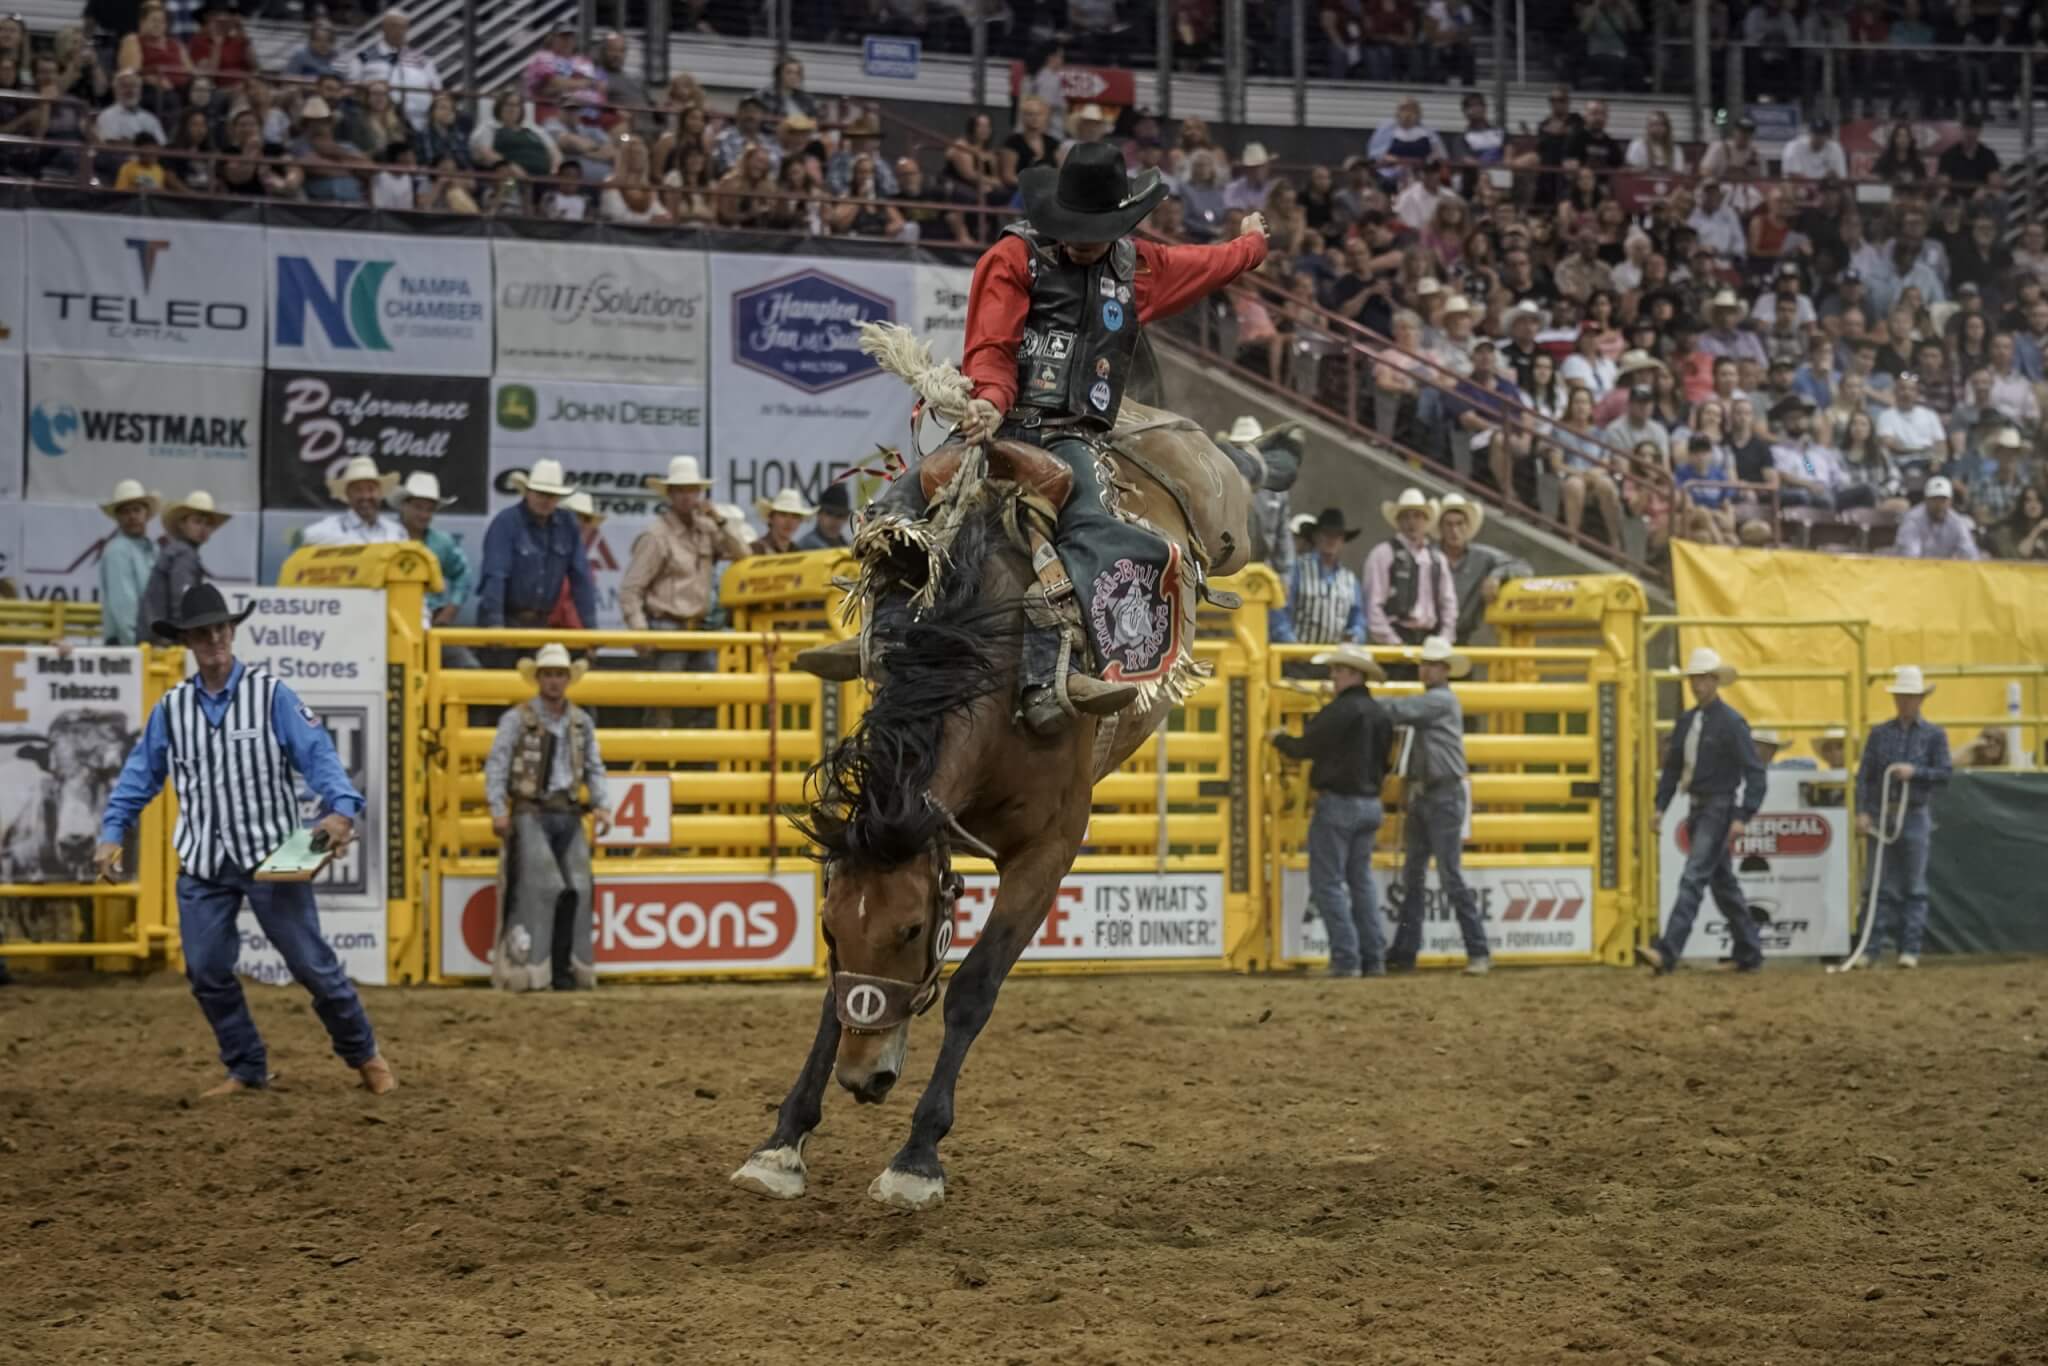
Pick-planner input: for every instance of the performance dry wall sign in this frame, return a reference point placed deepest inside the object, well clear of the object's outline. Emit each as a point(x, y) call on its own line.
point(175, 428)
point(144, 289)
point(403, 305)
point(315, 423)
point(67, 723)
point(61, 543)
point(1531, 912)
point(606, 313)
point(1111, 915)
point(1793, 863)
point(657, 924)
point(13, 285)
point(13, 423)
point(798, 403)
point(327, 645)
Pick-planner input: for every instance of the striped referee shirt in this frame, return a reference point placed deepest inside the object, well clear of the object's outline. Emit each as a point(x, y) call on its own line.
point(1324, 606)
point(231, 756)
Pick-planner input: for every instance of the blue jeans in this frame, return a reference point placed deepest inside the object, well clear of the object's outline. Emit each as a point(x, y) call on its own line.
point(1340, 839)
point(1709, 864)
point(206, 927)
point(1904, 881)
point(1436, 829)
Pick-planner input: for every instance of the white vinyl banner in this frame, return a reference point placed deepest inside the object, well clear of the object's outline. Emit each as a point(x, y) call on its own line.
point(1793, 863)
point(61, 545)
point(942, 309)
point(382, 305)
point(70, 720)
point(657, 923)
point(1532, 912)
point(13, 422)
point(600, 312)
point(1110, 915)
point(124, 288)
point(175, 428)
point(13, 284)
point(797, 403)
point(327, 644)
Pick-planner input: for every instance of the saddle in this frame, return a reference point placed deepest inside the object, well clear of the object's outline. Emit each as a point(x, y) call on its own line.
point(1183, 481)
point(1035, 470)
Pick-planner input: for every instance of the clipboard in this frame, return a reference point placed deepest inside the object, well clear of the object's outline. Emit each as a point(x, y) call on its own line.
point(298, 859)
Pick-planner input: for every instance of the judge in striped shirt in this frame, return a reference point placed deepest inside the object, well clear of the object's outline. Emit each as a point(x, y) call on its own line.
point(234, 741)
point(1324, 605)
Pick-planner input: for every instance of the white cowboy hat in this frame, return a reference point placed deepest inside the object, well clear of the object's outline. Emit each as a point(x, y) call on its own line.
point(2007, 438)
point(1834, 733)
point(1726, 299)
point(1705, 661)
point(1767, 736)
point(1352, 657)
point(1302, 523)
point(580, 503)
point(1638, 359)
point(1090, 113)
point(421, 484)
point(682, 473)
point(552, 656)
point(789, 501)
point(1254, 154)
point(1410, 498)
point(200, 501)
point(1475, 513)
point(545, 477)
point(359, 470)
point(1939, 487)
point(315, 108)
point(1246, 431)
point(1437, 650)
point(1426, 286)
point(1457, 303)
point(131, 491)
point(1907, 682)
point(1524, 309)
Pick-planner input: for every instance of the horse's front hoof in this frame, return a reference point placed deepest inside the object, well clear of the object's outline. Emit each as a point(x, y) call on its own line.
point(907, 1190)
point(777, 1173)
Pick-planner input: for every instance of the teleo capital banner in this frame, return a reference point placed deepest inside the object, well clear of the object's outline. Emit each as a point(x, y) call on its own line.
point(1534, 911)
point(13, 285)
point(1792, 862)
point(359, 302)
point(70, 719)
point(175, 428)
point(798, 403)
point(315, 423)
point(568, 311)
point(121, 288)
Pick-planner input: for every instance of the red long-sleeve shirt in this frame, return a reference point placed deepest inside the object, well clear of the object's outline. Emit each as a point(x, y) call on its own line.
point(1167, 280)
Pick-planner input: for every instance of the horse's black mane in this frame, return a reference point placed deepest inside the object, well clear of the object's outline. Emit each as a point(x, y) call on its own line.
point(868, 805)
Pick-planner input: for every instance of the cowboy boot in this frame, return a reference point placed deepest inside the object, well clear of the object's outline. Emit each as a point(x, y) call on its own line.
point(377, 1076)
point(838, 662)
point(1047, 715)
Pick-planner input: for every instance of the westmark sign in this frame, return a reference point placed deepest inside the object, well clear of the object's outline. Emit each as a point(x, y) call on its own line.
point(94, 422)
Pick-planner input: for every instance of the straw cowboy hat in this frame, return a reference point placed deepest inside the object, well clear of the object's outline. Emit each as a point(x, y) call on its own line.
point(552, 656)
point(1457, 303)
point(421, 484)
point(1437, 650)
point(1352, 657)
point(2006, 438)
point(1427, 286)
point(682, 473)
point(1638, 359)
point(1254, 154)
point(1301, 524)
point(545, 477)
point(131, 491)
point(788, 501)
point(1475, 513)
point(580, 503)
point(356, 471)
point(203, 606)
point(1090, 113)
point(1907, 682)
point(1246, 431)
point(199, 501)
point(1409, 499)
point(315, 108)
point(1090, 197)
point(1705, 661)
point(1766, 736)
point(1725, 299)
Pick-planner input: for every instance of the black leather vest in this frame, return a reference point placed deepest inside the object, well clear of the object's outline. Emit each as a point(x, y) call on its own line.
point(1080, 335)
point(1405, 579)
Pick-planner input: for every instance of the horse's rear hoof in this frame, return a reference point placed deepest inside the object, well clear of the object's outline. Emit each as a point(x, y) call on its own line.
point(777, 1173)
point(907, 1190)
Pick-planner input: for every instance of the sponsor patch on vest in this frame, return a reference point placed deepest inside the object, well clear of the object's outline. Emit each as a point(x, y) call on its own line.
point(1131, 617)
point(1108, 286)
point(1059, 345)
point(306, 715)
point(1123, 295)
point(1099, 395)
point(1112, 315)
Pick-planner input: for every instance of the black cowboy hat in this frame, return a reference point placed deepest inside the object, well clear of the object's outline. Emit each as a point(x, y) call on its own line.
point(1332, 519)
point(1091, 197)
point(1791, 403)
point(203, 606)
point(835, 498)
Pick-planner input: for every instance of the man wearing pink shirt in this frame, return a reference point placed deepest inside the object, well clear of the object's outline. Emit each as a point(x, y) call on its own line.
point(1408, 591)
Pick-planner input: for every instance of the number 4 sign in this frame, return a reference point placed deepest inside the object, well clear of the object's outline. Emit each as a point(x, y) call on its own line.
point(640, 811)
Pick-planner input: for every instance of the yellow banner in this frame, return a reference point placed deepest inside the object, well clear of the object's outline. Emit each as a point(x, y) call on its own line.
point(1974, 627)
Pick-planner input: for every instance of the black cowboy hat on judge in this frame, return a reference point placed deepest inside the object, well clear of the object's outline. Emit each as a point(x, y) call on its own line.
point(1091, 197)
point(203, 606)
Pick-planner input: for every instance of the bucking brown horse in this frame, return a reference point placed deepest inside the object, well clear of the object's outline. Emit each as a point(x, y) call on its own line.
point(940, 764)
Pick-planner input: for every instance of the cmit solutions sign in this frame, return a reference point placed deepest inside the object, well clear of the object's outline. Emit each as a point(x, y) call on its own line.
point(393, 305)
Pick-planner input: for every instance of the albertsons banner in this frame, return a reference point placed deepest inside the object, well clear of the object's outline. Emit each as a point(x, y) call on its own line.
point(176, 428)
point(143, 289)
point(596, 312)
point(352, 301)
point(797, 402)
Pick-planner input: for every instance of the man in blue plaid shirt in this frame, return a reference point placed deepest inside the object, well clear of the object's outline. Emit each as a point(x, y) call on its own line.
point(1910, 748)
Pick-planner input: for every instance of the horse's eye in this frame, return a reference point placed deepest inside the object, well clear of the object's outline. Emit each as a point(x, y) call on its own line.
point(911, 932)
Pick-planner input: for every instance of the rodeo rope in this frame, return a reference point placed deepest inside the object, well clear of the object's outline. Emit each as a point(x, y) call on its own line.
point(1890, 825)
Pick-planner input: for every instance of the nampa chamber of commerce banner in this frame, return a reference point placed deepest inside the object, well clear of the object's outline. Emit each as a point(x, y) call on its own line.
point(175, 428)
point(1530, 912)
point(70, 719)
point(617, 314)
point(120, 288)
point(389, 305)
point(316, 422)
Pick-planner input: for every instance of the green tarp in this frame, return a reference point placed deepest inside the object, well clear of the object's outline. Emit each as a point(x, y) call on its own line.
point(1987, 875)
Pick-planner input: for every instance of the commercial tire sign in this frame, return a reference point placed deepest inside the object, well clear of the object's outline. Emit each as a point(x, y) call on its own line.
point(1792, 862)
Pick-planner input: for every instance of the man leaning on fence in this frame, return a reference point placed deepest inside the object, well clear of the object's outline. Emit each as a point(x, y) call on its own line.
point(126, 561)
point(669, 578)
point(1912, 751)
point(531, 550)
point(1435, 803)
point(543, 773)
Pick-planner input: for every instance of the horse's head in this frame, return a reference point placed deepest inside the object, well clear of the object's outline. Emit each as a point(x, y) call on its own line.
point(888, 930)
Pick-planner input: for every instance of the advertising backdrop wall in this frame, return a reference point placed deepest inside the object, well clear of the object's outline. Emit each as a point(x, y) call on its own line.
point(1533, 912)
point(316, 423)
point(122, 288)
point(69, 721)
point(60, 546)
point(1793, 864)
point(390, 305)
point(13, 285)
point(599, 312)
point(175, 428)
point(13, 421)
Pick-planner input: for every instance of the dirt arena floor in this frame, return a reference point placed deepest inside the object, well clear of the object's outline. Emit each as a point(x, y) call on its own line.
point(1567, 1165)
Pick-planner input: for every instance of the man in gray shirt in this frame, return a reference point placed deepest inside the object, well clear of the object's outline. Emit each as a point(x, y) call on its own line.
point(1478, 572)
point(1936, 531)
point(1435, 806)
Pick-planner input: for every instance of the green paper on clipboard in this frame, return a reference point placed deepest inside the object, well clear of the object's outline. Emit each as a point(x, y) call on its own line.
point(298, 859)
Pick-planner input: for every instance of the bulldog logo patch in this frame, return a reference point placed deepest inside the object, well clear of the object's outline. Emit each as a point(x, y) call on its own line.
point(1133, 618)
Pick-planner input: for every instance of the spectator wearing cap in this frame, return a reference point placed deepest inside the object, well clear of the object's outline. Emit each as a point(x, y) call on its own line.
point(1785, 284)
point(1967, 164)
point(1717, 225)
point(188, 525)
point(1994, 475)
point(1847, 294)
point(863, 137)
point(532, 551)
point(1638, 427)
point(1581, 273)
point(1814, 155)
point(743, 132)
point(1407, 141)
point(1325, 605)
point(1248, 192)
point(1909, 429)
point(364, 489)
point(1912, 751)
point(1587, 366)
point(126, 560)
point(1410, 593)
point(1348, 741)
point(1935, 530)
point(1483, 404)
point(1726, 339)
point(1705, 511)
point(1478, 572)
point(1418, 203)
point(833, 529)
point(408, 70)
point(1809, 473)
